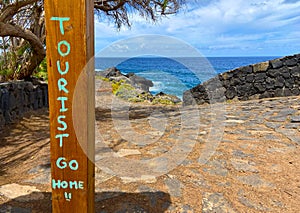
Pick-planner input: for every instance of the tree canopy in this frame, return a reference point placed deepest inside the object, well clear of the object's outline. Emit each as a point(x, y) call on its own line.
point(22, 28)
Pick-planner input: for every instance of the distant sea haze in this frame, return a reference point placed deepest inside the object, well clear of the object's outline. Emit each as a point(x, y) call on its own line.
point(176, 75)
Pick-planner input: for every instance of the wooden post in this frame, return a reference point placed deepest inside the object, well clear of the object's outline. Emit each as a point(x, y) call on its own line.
point(70, 47)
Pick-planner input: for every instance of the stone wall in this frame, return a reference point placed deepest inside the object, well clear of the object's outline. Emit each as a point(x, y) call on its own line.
point(16, 98)
point(275, 78)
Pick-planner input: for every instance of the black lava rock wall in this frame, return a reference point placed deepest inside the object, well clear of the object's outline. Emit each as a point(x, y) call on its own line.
point(16, 98)
point(275, 78)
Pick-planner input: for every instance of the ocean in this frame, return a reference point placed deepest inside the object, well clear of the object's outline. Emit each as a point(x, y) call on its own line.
point(176, 75)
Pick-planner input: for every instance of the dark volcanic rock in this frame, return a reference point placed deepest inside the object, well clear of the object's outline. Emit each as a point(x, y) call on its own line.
point(275, 78)
point(18, 97)
point(110, 72)
point(140, 82)
point(134, 88)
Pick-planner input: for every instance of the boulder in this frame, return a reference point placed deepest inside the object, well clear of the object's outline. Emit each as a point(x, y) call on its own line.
point(110, 72)
point(121, 78)
point(276, 63)
point(261, 67)
point(140, 82)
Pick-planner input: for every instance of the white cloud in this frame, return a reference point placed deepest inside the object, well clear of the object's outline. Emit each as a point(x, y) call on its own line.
point(157, 45)
point(222, 24)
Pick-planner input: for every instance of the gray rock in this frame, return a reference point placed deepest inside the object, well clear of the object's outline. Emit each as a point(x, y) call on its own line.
point(254, 180)
point(291, 61)
point(110, 72)
point(260, 77)
point(174, 187)
point(41, 179)
point(279, 82)
point(21, 193)
point(277, 63)
point(295, 72)
point(230, 92)
point(286, 112)
point(140, 82)
point(260, 87)
point(186, 209)
point(120, 78)
point(243, 165)
point(218, 168)
point(279, 118)
point(294, 125)
point(241, 154)
point(292, 134)
point(295, 119)
point(215, 203)
point(246, 202)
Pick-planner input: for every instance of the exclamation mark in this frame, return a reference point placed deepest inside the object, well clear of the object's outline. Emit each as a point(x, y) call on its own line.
point(68, 196)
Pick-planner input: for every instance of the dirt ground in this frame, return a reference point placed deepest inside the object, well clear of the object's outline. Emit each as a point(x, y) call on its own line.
point(268, 182)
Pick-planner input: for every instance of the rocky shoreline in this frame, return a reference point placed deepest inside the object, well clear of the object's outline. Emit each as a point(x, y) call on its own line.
point(275, 78)
point(134, 88)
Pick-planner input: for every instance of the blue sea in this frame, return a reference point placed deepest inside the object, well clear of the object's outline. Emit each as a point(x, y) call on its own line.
point(176, 75)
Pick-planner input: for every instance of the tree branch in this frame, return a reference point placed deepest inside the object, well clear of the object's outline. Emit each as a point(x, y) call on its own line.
point(39, 52)
point(9, 11)
point(109, 7)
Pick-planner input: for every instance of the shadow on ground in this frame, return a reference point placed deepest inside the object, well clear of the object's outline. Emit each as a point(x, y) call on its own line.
point(106, 202)
point(24, 139)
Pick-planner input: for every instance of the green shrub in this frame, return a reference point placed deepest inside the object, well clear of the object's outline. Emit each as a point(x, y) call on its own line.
point(41, 70)
point(125, 91)
point(6, 72)
point(162, 101)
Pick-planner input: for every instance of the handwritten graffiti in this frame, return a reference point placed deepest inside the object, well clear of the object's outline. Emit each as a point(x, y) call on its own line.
point(64, 49)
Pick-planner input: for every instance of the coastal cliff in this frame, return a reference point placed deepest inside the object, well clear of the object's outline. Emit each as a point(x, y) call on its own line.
point(276, 78)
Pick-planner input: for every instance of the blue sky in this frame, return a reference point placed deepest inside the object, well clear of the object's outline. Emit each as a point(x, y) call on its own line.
point(220, 28)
